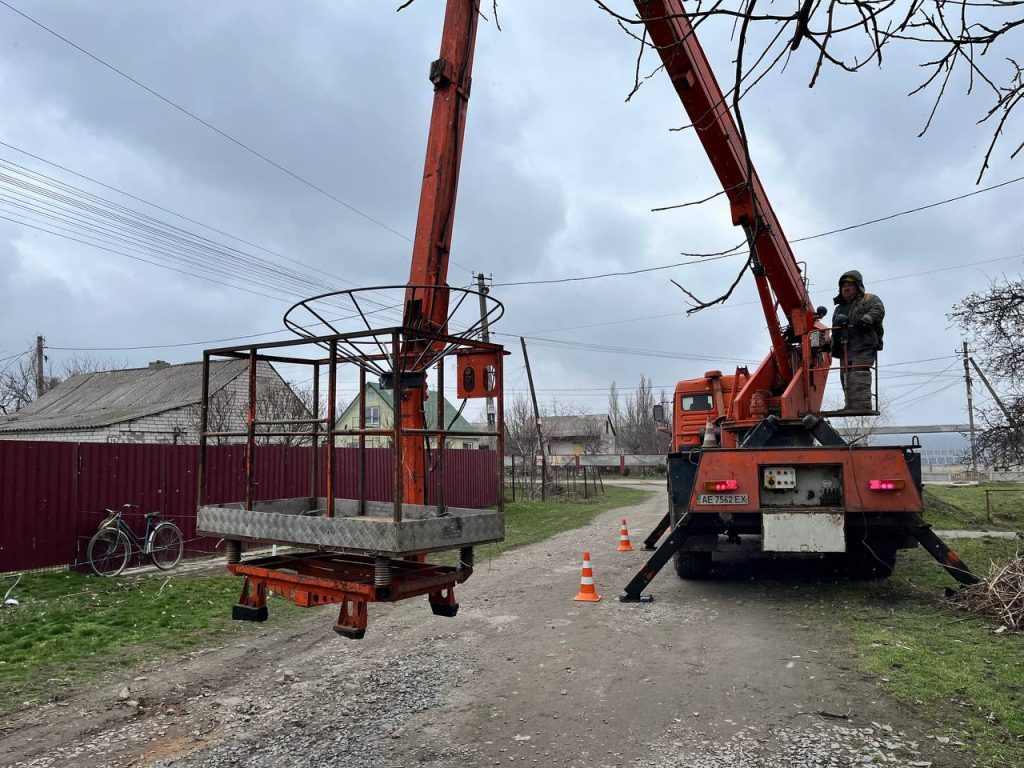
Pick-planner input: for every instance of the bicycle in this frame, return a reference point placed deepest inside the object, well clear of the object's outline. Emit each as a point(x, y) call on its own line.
point(111, 546)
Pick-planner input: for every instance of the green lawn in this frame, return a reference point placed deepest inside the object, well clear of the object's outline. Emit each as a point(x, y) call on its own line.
point(527, 522)
point(951, 667)
point(71, 628)
point(964, 508)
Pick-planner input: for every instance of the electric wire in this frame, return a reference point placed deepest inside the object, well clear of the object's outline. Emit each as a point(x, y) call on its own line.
point(926, 395)
point(159, 207)
point(12, 357)
point(195, 117)
point(174, 105)
point(139, 258)
point(73, 211)
point(741, 249)
point(59, 198)
point(920, 386)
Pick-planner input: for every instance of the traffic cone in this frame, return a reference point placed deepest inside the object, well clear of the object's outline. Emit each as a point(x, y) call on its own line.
point(587, 592)
point(624, 545)
point(709, 435)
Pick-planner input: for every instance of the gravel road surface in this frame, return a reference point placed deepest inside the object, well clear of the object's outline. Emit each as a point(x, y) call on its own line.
point(710, 674)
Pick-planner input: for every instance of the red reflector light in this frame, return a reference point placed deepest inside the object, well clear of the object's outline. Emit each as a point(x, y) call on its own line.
point(885, 485)
point(721, 485)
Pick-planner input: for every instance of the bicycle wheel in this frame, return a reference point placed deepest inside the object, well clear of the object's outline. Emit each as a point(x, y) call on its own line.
point(166, 545)
point(108, 552)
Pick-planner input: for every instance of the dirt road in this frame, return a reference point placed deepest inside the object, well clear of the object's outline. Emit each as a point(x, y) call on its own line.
point(710, 674)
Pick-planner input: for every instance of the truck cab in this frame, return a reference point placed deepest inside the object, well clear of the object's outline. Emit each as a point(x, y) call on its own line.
point(698, 400)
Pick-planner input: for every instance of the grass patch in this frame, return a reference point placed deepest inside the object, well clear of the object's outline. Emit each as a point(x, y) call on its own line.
point(964, 508)
point(72, 628)
point(527, 522)
point(952, 667)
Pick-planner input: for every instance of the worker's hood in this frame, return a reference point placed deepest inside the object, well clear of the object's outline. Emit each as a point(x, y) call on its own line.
point(856, 277)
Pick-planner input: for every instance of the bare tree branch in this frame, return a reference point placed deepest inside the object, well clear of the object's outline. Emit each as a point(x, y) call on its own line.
point(964, 33)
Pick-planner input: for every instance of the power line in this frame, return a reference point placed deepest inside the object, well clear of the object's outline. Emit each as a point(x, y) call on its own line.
point(702, 259)
point(741, 248)
point(67, 210)
point(138, 258)
point(14, 358)
point(114, 223)
point(214, 128)
point(924, 384)
point(57, 198)
point(163, 346)
point(200, 120)
point(947, 269)
point(926, 395)
point(910, 210)
point(162, 208)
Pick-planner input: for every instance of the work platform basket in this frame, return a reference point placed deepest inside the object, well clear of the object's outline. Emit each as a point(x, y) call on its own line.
point(370, 539)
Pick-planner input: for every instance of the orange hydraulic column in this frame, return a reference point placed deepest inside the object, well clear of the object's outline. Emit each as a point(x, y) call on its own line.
point(427, 308)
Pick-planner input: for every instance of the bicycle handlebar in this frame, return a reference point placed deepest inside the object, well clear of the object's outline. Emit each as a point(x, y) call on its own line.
point(113, 514)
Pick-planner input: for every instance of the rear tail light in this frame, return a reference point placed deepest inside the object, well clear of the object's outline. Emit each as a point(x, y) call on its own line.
point(715, 486)
point(886, 485)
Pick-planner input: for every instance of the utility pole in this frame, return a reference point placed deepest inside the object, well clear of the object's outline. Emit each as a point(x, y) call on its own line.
point(970, 408)
point(1010, 421)
point(536, 416)
point(485, 335)
point(40, 381)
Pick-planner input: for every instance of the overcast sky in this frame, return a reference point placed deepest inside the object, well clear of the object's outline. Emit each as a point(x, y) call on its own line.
point(558, 178)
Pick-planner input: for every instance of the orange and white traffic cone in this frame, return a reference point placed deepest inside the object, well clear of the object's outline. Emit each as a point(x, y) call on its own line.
point(624, 545)
point(587, 594)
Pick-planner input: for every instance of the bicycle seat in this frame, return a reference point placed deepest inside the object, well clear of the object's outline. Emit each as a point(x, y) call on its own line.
point(152, 514)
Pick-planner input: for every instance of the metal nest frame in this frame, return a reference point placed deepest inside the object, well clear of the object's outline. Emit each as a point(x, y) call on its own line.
point(371, 351)
point(359, 306)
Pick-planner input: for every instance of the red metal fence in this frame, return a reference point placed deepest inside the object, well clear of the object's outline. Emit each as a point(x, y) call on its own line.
point(52, 495)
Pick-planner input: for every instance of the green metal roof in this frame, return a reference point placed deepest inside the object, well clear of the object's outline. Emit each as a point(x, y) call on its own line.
point(452, 420)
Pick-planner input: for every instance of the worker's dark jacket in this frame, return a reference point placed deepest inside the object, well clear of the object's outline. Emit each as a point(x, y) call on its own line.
point(857, 323)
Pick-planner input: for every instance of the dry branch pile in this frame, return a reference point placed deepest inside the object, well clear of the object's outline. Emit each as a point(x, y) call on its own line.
point(1000, 594)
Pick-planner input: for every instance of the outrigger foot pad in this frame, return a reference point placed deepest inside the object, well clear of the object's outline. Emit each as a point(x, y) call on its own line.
point(248, 613)
point(625, 598)
point(350, 632)
point(445, 610)
point(443, 603)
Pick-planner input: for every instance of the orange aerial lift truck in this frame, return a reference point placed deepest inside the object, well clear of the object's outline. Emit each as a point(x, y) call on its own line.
point(751, 452)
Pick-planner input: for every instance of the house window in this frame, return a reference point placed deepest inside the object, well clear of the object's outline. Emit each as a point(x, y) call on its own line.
point(373, 416)
point(467, 445)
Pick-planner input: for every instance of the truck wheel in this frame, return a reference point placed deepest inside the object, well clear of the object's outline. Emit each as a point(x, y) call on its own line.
point(870, 564)
point(693, 565)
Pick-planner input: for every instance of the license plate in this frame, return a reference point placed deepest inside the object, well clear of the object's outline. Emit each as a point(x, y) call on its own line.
point(722, 499)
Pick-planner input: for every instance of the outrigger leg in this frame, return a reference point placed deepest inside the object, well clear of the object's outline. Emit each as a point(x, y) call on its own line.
point(252, 604)
point(946, 557)
point(656, 562)
point(657, 533)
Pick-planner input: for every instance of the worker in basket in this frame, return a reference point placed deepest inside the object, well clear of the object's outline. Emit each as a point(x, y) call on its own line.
point(856, 339)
